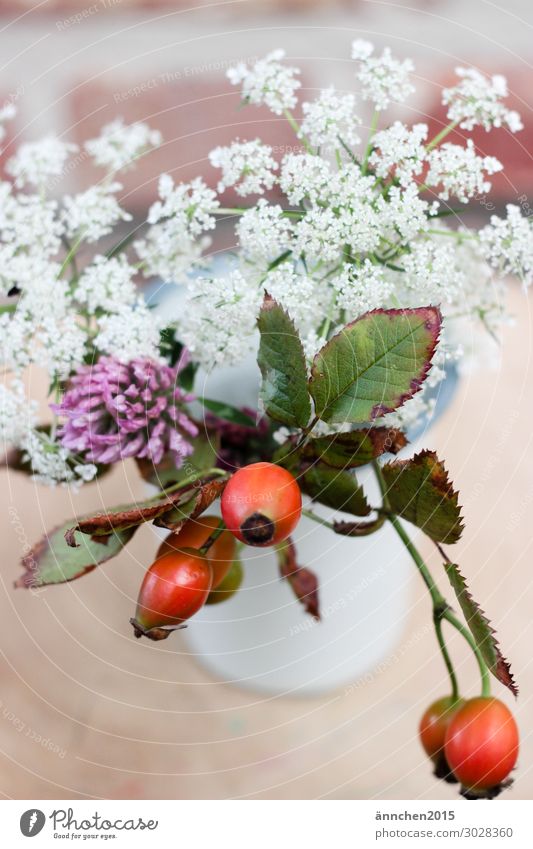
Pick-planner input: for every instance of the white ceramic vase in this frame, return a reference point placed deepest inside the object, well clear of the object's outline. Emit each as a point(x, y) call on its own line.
point(262, 639)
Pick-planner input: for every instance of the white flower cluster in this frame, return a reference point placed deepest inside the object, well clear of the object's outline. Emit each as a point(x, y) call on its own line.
point(246, 166)
point(268, 82)
point(56, 314)
point(507, 244)
point(383, 79)
point(119, 145)
point(477, 101)
point(345, 231)
point(460, 172)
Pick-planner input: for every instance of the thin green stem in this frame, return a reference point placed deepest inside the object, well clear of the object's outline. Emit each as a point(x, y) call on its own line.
point(371, 134)
point(437, 619)
point(212, 538)
point(70, 258)
point(296, 127)
point(441, 609)
point(442, 135)
point(318, 519)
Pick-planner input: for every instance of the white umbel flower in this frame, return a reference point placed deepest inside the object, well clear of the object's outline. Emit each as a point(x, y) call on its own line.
point(219, 322)
point(106, 284)
point(459, 171)
point(507, 244)
point(119, 145)
point(399, 151)
point(132, 332)
point(384, 79)
point(329, 118)
point(268, 82)
point(263, 232)
point(37, 162)
point(304, 176)
point(17, 414)
point(248, 167)
point(360, 289)
point(476, 101)
point(193, 204)
point(169, 252)
point(93, 213)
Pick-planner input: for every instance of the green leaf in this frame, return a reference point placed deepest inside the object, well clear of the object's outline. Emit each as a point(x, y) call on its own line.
point(337, 489)
point(419, 491)
point(282, 362)
point(52, 561)
point(374, 364)
point(481, 629)
point(303, 581)
point(227, 412)
point(353, 449)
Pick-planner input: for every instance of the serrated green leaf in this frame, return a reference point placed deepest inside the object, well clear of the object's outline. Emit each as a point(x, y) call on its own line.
point(419, 491)
point(337, 489)
point(481, 629)
point(374, 364)
point(52, 561)
point(355, 448)
point(281, 359)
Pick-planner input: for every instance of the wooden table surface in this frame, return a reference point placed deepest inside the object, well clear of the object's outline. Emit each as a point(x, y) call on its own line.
point(87, 711)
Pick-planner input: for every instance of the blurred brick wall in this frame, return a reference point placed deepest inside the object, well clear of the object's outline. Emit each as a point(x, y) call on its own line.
point(73, 65)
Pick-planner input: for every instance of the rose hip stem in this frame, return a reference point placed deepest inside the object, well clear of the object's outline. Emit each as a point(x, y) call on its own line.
point(441, 608)
point(213, 537)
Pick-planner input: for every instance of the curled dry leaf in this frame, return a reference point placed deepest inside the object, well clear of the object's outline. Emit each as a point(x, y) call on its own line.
point(303, 581)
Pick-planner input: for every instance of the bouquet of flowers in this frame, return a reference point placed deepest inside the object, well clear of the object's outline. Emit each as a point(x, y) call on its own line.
point(353, 292)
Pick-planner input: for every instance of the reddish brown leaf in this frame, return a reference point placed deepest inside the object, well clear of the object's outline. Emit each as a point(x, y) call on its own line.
point(303, 581)
point(359, 529)
point(132, 515)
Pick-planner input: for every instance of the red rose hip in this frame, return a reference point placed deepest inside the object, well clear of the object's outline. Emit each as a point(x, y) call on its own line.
point(432, 730)
point(261, 504)
point(194, 534)
point(481, 745)
point(174, 588)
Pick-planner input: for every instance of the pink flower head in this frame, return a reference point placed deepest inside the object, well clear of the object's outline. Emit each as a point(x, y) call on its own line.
point(115, 410)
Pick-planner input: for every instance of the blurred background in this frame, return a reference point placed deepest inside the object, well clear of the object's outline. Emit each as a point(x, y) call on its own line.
point(85, 711)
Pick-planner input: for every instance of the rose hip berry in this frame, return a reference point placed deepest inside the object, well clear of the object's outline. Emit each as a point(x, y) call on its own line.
point(174, 588)
point(481, 746)
point(194, 534)
point(261, 504)
point(229, 586)
point(432, 730)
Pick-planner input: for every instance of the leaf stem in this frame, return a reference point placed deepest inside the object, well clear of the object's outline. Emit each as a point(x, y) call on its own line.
point(315, 518)
point(437, 621)
point(371, 134)
point(296, 127)
point(213, 537)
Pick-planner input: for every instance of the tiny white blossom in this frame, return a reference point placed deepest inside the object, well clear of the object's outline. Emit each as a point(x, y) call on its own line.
point(119, 145)
point(330, 117)
point(304, 176)
point(507, 244)
point(17, 414)
point(476, 101)
point(246, 166)
point(36, 162)
point(29, 223)
point(430, 273)
point(52, 464)
point(169, 252)
point(304, 298)
point(263, 232)
point(384, 79)
point(360, 289)
point(399, 151)
point(106, 284)
point(267, 82)
point(459, 171)
point(93, 213)
point(219, 322)
point(193, 204)
point(406, 212)
point(132, 332)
